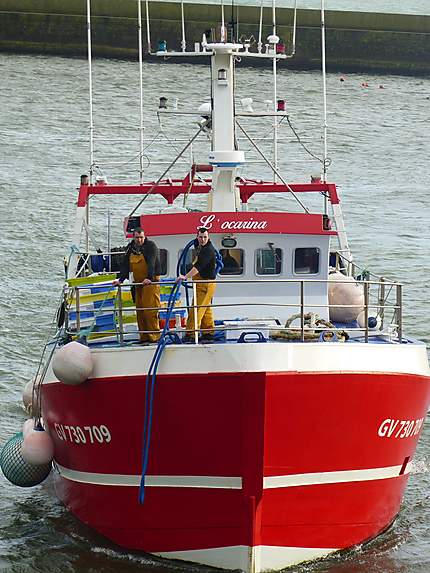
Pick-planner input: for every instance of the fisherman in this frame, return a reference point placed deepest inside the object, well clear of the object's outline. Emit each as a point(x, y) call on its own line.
point(141, 258)
point(204, 268)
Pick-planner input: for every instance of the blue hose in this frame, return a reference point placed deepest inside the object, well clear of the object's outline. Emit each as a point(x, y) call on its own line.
point(152, 371)
point(150, 387)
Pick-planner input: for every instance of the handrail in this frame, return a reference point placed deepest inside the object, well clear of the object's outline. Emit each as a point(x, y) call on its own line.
point(381, 308)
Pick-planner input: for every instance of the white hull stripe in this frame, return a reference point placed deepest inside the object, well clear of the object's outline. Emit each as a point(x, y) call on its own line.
point(250, 559)
point(297, 480)
point(215, 482)
point(221, 482)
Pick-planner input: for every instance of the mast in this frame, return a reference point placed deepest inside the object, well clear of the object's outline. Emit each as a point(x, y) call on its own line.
point(224, 158)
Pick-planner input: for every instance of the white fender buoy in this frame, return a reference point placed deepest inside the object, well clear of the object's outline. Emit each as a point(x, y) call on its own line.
point(27, 426)
point(345, 290)
point(31, 389)
point(37, 447)
point(73, 364)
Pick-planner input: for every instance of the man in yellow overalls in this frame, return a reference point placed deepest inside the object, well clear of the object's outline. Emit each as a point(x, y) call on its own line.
point(204, 268)
point(142, 259)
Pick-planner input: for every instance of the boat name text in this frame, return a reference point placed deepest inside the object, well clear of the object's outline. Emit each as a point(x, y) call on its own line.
point(391, 428)
point(84, 435)
point(207, 220)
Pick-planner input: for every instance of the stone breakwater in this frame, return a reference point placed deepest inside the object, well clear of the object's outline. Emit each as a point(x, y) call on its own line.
point(356, 41)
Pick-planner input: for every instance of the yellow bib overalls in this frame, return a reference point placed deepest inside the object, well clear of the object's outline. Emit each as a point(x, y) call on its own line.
point(146, 297)
point(205, 317)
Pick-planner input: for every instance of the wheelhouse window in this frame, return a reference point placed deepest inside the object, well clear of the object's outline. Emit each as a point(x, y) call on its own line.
point(268, 261)
point(233, 261)
point(163, 260)
point(306, 261)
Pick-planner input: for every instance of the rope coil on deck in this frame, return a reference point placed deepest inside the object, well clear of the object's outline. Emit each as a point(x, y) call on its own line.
point(314, 328)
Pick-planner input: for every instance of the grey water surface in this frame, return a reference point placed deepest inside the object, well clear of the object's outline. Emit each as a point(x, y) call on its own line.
point(413, 7)
point(379, 148)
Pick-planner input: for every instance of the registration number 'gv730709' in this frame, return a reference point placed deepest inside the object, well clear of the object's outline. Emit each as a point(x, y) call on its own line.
point(391, 428)
point(84, 434)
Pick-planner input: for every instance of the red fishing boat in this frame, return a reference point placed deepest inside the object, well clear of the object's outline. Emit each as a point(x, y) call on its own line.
point(289, 436)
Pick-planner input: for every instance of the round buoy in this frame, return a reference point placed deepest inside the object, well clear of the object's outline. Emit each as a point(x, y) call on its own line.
point(73, 364)
point(16, 469)
point(346, 291)
point(38, 447)
point(30, 396)
point(27, 426)
point(373, 322)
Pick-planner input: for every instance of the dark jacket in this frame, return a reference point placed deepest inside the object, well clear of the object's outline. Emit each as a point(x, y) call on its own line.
point(150, 252)
point(206, 260)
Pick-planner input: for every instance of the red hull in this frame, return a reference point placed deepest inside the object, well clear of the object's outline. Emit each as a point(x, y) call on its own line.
point(256, 428)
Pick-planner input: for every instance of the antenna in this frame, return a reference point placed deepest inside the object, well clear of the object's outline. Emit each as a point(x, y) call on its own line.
point(183, 42)
point(148, 34)
point(90, 87)
point(275, 92)
point(139, 26)
point(293, 47)
point(223, 38)
point(260, 28)
point(323, 65)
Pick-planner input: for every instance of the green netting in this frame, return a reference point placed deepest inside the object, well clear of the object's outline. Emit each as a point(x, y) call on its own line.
point(16, 469)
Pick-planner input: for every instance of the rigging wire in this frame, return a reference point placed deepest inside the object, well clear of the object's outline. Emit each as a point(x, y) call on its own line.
point(201, 128)
point(273, 168)
point(326, 160)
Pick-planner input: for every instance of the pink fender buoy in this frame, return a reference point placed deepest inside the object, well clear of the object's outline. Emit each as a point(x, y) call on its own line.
point(30, 396)
point(344, 290)
point(73, 364)
point(38, 447)
point(27, 427)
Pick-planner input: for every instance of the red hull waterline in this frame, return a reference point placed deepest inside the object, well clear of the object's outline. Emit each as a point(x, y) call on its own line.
point(251, 470)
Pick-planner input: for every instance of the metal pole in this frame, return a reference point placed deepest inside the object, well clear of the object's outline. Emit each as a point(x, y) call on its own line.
point(399, 313)
point(382, 301)
point(78, 311)
point(366, 311)
point(109, 242)
point(120, 321)
point(302, 310)
point(139, 28)
point(196, 333)
point(90, 85)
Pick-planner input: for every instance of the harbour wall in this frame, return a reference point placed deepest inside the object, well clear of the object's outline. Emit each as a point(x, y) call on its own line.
point(356, 41)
